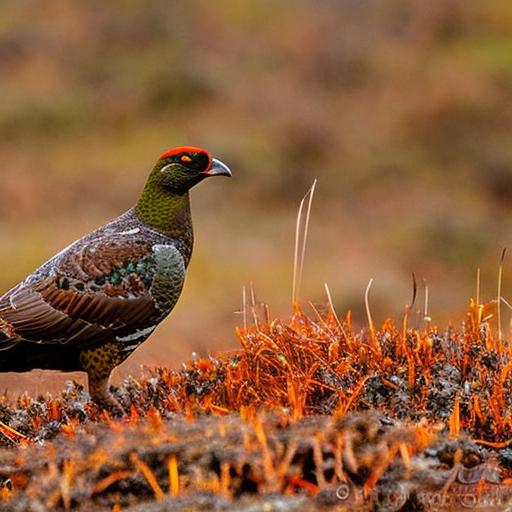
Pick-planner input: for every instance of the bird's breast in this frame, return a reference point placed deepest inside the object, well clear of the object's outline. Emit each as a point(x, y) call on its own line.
point(169, 277)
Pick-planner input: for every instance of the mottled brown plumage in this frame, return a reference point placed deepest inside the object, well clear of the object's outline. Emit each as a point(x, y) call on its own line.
point(92, 304)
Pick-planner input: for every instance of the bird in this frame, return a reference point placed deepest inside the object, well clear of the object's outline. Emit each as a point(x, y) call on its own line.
point(92, 304)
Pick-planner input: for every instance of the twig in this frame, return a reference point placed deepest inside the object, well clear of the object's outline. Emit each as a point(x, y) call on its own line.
point(333, 311)
point(426, 317)
point(500, 280)
point(244, 306)
point(478, 286)
point(506, 302)
point(253, 308)
point(300, 243)
point(174, 480)
point(148, 474)
point(369, 315)
point(414, 291)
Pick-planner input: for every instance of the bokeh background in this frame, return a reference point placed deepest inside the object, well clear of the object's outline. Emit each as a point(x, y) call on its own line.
point(401, 109)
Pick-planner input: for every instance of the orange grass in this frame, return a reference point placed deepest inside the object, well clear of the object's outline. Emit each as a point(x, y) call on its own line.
point(440, 386)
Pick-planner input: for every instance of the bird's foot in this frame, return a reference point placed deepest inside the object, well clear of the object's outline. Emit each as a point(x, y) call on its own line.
point(109, 403)
point(101, 395)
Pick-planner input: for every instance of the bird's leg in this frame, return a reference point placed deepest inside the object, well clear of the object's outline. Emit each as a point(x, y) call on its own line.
point(99, 362)
point(101, 395)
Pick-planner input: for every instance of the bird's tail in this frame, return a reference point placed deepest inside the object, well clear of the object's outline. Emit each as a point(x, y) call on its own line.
point(8, 340)
point(7, 334)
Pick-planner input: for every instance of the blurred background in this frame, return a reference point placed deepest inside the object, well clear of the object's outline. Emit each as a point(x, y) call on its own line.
point(401, 109)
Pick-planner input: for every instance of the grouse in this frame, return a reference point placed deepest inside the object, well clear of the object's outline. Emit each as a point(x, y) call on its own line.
point(90, 306)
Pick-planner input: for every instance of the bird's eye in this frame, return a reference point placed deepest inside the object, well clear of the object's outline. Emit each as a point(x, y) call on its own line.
point(186, 159)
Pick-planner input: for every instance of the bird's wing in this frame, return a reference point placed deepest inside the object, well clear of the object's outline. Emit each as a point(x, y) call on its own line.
point(94, 290)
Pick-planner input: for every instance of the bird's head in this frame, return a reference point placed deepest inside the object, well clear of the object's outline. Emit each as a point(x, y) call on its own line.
point(179, 169)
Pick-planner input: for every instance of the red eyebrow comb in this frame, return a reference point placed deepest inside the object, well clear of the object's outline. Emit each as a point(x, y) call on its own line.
point(183, 149)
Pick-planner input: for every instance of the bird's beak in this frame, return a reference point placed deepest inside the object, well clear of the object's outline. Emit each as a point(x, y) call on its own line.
point(218, 169)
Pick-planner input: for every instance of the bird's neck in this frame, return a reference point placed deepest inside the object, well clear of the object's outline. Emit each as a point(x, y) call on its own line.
point(165, 211)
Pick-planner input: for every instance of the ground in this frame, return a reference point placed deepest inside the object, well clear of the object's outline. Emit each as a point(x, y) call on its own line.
point(308, 414)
